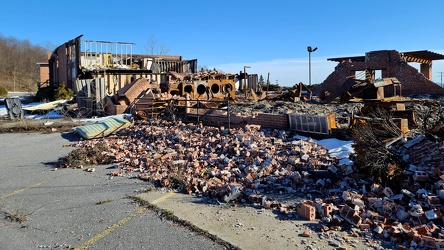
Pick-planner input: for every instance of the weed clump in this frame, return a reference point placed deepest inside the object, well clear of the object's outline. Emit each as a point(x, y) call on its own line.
point(3, 92)
point(89, 155)
point(62, 93)
point(18, 216)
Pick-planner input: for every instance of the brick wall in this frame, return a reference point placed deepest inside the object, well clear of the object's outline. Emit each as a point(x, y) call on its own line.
point(335, 79)
point(270, 121)
point(391, 64)
point(277, 121)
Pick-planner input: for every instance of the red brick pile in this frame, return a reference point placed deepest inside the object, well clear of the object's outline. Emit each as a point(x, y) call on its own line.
point(214, 161)
point(249, 163)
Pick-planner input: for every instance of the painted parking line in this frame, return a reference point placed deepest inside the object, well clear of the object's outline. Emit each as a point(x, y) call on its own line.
point(22, 190)
point(29, 187)
point(120, 223)
point(168, 195)
point(110, 229)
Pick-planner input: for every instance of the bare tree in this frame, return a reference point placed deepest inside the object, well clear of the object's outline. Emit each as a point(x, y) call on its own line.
point(372, 154)
point(48, 45)
point(202, 68)
point(18, 64)
point(154, 47)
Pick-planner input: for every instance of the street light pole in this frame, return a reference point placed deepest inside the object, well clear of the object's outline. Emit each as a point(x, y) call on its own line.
point(310, 49)
point(245, 80)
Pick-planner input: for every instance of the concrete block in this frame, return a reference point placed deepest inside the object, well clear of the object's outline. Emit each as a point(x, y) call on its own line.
point(388, 192)
point(431, 214)
point(402, 215)
point(364, 227)
point(421, 176)
point(358, 202)
point(350, 215)
point(421, 230)
point(433, 200)
point(306, 211)
point(328, 209)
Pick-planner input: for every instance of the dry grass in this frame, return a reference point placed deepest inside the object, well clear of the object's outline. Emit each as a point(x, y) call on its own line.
point(18, 216)
point(88, 155)
point(104, 201)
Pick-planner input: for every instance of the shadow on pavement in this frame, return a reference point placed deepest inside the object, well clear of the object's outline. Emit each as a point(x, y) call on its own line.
point(71, 136)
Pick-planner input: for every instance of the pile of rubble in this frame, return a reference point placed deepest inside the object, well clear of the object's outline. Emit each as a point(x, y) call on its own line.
point(216, 161)
point(312, 107)
point(250, 164)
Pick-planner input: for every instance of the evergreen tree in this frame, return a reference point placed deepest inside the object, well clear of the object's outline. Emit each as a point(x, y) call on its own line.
point(261, 80)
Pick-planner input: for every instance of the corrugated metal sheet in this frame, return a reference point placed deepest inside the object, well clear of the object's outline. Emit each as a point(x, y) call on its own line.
point(91, 94)
point(309, 123)
point(46, 106)
point(103, 128)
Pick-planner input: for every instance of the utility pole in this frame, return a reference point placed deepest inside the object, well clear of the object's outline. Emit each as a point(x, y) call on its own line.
point(245, 80)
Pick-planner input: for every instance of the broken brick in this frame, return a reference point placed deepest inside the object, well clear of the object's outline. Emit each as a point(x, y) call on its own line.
point(306, 211)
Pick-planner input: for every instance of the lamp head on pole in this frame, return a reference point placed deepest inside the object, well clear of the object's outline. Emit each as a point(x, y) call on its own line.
point(310, 49)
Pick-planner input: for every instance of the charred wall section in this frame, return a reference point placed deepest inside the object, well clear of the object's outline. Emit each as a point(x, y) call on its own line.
point(64, 63)
point(112, 61)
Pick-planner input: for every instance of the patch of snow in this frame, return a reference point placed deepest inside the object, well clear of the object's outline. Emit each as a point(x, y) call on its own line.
point(337, 148)
point(3, 110)
point(53, 114)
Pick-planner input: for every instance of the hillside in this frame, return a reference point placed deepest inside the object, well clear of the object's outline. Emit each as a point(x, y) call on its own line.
point(18, 64)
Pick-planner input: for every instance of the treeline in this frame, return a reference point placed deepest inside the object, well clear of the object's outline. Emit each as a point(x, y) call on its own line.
point(18, 64)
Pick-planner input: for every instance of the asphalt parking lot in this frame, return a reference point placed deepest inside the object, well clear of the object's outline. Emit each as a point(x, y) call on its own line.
point(45, 207)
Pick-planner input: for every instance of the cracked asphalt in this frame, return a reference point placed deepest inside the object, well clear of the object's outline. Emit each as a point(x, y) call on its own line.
point(42, 206)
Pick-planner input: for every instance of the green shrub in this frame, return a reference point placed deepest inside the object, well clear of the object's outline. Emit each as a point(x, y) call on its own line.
point(62, 93)
point(3, 92)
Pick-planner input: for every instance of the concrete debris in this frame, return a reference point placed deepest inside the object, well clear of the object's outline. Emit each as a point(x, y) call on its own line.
point(310, 107)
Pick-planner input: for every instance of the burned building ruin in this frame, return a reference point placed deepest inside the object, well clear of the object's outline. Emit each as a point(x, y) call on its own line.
point(99, 72)
point(388, 64)
point(95, 70)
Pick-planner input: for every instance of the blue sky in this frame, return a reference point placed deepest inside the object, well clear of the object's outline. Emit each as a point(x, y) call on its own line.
point(269, 36)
